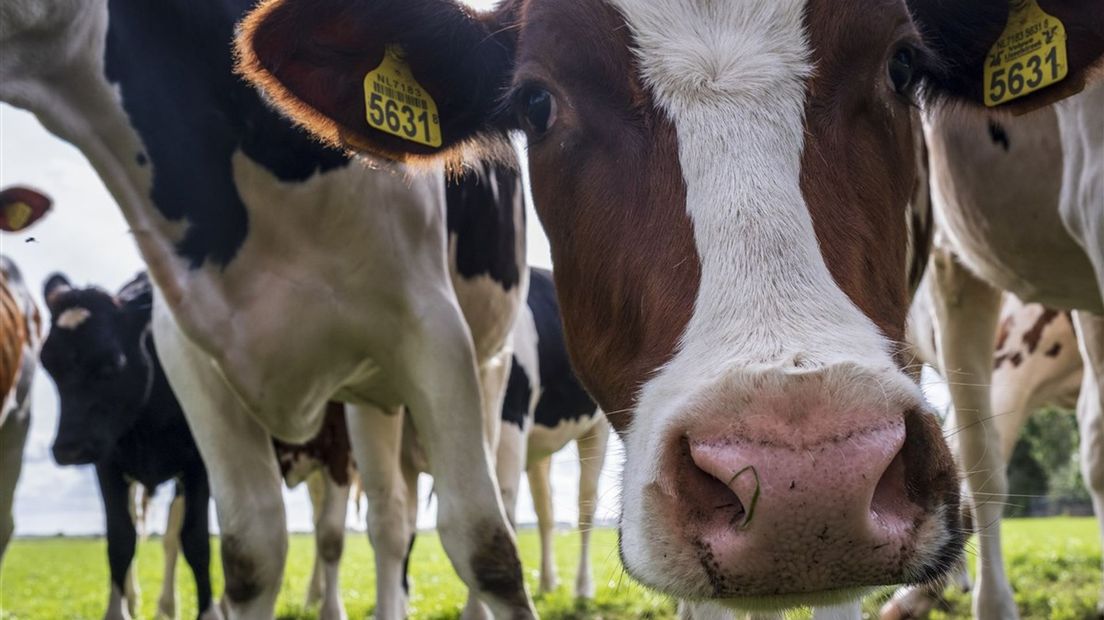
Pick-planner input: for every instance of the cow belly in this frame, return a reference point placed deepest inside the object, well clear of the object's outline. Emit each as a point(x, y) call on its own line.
point(996, 191)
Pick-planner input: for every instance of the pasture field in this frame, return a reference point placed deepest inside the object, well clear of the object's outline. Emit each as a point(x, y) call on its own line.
point(1054, 564)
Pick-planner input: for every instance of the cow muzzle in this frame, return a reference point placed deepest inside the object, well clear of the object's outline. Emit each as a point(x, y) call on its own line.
point(795, 489)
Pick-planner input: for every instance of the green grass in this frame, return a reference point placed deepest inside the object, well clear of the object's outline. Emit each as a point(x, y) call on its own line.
point(1054, 565)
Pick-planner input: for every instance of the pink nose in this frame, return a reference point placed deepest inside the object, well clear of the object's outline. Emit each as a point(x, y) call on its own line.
point(782, 509)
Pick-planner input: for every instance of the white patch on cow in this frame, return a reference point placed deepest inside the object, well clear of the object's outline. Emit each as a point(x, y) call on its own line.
point(73, 318)
point(731, 76)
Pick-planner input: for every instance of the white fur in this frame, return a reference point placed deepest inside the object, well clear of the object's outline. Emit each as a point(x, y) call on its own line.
point(731, 77)
point(73, 318)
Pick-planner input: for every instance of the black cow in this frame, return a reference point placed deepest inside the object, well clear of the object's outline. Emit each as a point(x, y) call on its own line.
point(119, 413)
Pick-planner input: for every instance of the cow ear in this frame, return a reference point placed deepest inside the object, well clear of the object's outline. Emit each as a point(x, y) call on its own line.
point(404, 79)
point(1018, 55)
point(20, 207)
point(56, 286)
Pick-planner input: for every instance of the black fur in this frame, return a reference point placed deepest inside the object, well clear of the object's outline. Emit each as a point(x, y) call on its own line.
point(118, 412)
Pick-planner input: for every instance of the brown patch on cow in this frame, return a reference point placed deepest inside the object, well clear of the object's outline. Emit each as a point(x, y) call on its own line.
point(1054, 350)
point(330, 447)
point(609, 191)
point(13, 337)
point(859, 169)
point(239, 571)
point(1032, 336)
point(497, 568)
point(1016, 359)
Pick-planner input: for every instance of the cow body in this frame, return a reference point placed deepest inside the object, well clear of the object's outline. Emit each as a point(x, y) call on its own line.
point(18, 348)
point(20, 338)
point(118, 412)
point(1021, 204)
point(544, 410)
point(1036, 364)
point(159, 446)
point(286, 274)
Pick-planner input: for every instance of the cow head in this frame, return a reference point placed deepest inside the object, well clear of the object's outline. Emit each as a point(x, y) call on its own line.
point(99, 356)
point(724, 188)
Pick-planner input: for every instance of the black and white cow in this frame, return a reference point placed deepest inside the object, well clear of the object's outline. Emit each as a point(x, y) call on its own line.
point(20, 337)
point(118, 413)
point(288, 274)
point(545, 409)
point(90, 322)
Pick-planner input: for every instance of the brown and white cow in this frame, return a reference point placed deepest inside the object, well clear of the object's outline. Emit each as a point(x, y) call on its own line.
point(724, 188)
point(20, 338)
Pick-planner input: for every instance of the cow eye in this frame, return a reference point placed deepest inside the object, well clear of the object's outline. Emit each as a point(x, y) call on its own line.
point(902, 70)
point(536, 109)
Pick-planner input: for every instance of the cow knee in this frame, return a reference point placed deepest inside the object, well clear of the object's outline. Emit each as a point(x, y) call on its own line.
point(246, 574)
point(330, 546)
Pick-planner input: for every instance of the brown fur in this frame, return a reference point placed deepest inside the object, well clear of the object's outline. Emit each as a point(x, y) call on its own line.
point(612, 200)
point(13, 337)
point(330, 447)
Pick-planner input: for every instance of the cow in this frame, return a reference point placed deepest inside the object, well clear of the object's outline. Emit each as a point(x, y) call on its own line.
point(724, 187)
point(546, 408)
point(118, 413)
point(1020, 202)
point(288, 274)
point(1036, 364)
point(20, 337)
point(144, 397)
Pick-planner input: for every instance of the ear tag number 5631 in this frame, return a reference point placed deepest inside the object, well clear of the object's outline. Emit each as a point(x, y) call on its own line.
point(1029, 55)
point(397, 104)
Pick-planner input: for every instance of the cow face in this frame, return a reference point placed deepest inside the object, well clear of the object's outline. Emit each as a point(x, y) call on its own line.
point(724, 187)
point(99, 357)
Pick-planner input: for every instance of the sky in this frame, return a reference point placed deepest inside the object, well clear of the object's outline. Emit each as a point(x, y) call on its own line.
point(86, 238)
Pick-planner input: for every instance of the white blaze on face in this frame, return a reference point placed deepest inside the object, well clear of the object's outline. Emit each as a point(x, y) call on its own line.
point(731, 76)
point(73, 318)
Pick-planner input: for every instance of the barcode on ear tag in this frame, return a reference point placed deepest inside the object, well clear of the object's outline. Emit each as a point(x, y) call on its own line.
point(1028, 56)
point(397, 104)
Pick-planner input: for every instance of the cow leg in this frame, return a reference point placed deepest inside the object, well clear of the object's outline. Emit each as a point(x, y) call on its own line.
point(329, 537)
point(243, 474)
point(170, 546)
point(376, 437)
point(13, 437)
point(442, 394)
point(195, 541)
point(540, 485)
point(966, 312)
point(592, 456)
point(509, 464)
point(121, 536)
point(316, 489)
point(133, 592)
point(1090, 414)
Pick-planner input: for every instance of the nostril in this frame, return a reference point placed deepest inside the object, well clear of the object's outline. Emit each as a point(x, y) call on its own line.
point(889, 503)
point(712, 495)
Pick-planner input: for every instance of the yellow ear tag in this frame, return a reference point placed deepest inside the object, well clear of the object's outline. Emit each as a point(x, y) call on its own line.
point(1029, 55)
point(397, 104)
point(17, 215)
